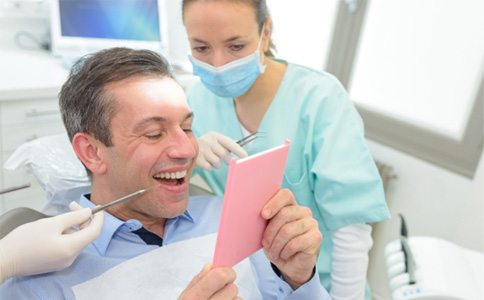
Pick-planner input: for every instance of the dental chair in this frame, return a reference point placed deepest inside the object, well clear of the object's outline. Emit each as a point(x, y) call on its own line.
point(61, 175)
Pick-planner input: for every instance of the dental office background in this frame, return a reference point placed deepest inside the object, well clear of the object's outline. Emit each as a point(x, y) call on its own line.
point(413, 69)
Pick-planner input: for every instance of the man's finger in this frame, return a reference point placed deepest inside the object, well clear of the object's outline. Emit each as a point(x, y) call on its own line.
point(228, 292)
point(287, 234)
point(285, 216)
point(283, 198)
point(197, 277)
point(308, 243)
point(212, 282)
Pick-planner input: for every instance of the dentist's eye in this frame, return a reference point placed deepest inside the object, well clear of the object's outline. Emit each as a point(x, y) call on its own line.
point(237, 47)
point(201, 49)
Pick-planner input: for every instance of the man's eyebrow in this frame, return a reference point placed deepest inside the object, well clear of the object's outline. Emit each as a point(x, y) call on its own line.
point(140, 125)
point(190, 115)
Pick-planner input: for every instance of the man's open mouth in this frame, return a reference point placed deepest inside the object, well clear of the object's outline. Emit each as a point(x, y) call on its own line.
point(171, 178)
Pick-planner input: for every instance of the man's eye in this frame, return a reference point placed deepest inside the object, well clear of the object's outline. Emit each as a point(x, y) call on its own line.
point(187, 130)
point(153, 136)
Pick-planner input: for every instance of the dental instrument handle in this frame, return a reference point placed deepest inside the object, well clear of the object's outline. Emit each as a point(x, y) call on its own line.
point(120, 200)
point(409, 260)
point(14, 188)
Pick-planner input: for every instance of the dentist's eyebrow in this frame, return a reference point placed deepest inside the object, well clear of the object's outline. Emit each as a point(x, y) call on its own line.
point(230, 39)
point(234, 38)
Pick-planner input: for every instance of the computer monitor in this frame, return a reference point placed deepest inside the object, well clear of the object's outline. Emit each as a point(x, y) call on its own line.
point(79, 27)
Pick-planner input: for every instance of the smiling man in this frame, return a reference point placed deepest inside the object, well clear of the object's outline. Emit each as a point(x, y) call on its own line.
point(130, 125)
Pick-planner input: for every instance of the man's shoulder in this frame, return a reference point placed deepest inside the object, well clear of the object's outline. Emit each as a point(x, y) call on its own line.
point(44, 286)
point(58, 285)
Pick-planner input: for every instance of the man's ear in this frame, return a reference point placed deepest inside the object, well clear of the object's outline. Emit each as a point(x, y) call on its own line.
point(90, 151)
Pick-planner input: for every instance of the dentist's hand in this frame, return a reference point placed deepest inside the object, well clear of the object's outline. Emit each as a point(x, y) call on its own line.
point(48, 244)
point(292, 238)
point(214, 148)
point(213, 284)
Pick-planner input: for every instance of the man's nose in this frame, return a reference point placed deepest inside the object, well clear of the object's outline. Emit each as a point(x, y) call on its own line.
point(183, 146)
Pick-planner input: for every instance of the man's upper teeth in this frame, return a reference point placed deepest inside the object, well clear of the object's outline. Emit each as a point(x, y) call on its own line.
point(171, 175)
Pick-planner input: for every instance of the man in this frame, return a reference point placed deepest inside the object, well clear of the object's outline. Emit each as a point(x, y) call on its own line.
point(130, 125)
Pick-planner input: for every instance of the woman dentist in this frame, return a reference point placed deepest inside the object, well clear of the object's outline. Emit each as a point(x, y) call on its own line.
point(245, 89)
point(48, 244)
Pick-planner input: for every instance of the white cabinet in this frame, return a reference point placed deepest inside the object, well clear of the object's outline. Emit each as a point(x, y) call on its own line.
point(29, 84)
point(22, 121)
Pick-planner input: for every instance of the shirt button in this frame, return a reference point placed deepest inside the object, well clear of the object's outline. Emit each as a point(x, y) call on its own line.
point(281, 290)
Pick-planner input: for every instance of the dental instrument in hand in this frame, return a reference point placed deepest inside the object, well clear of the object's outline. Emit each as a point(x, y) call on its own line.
point(117, 201)
point(244, 141)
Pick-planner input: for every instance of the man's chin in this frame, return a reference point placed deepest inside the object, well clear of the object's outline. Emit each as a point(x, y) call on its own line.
point(176, 209)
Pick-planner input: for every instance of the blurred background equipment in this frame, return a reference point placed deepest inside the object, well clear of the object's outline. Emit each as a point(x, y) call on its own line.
point(433, 269)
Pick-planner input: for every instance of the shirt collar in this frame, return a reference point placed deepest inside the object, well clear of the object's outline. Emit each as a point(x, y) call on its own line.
point(112, 224)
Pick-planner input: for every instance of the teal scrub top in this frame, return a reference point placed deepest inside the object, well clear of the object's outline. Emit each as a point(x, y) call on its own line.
point(329, 167)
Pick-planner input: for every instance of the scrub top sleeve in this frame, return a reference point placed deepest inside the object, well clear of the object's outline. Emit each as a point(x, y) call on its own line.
point(347, 185)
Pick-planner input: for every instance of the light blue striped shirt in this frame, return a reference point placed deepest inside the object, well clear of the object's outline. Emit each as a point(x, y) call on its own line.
point(117, 243)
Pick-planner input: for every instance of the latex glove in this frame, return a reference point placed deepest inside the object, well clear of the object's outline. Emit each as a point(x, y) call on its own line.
point(292, 238)
point(213, 148)
point(48, 244)
point(217, 283)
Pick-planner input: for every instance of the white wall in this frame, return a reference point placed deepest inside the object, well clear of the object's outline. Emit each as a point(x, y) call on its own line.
point(434, 201)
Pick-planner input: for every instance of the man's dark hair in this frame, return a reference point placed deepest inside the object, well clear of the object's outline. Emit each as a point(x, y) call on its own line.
point(84, 103)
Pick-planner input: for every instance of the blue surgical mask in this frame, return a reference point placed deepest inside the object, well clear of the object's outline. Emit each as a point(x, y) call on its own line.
point(232, 79)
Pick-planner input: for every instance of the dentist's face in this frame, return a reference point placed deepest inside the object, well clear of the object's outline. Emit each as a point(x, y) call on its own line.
point(153, 146)
point(221, 31)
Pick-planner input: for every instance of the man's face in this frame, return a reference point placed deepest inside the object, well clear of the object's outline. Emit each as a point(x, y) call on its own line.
point(153, 147)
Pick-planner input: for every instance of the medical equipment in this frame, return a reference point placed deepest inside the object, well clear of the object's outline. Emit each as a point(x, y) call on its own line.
point(14, 188)
point(122, 23)
point(245, 140)
point(430, 268)
point(120, 200)
point(407, 252)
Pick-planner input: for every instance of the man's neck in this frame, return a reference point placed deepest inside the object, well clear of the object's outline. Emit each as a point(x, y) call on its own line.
point(123, 212)
point(157, 226)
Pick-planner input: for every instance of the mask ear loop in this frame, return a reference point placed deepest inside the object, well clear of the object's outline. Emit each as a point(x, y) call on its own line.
point(262, 67)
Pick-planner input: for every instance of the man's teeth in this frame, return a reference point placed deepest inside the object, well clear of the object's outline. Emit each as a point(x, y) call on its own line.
point(171, 175)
